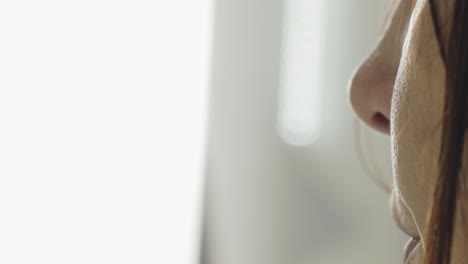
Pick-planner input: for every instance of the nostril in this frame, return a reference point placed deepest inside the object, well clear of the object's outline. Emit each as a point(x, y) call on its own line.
point(381, 122)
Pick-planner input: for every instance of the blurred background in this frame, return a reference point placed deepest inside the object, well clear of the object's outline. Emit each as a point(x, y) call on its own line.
point(208, 131)
point(285, 181)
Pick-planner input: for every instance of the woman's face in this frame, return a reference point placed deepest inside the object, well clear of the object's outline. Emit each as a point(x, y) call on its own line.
point(398, 90)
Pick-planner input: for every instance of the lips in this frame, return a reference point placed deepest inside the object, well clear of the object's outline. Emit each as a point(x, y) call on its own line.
point(409, 248)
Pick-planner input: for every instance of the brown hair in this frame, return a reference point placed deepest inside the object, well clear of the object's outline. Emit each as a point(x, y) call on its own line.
point(448, 186)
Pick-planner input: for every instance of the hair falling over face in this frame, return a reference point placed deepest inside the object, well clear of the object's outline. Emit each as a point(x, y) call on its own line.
point(449, 191)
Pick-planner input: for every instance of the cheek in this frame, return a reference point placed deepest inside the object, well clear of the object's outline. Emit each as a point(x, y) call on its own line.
point(417, 105)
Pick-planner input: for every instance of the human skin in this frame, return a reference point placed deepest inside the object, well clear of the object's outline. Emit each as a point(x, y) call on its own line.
point(399, 90)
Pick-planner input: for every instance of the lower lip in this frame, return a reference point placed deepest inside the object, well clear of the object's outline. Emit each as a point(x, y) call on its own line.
point(409, 248)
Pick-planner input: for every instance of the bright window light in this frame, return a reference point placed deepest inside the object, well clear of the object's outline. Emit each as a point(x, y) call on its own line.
point(300, 97)
point(102, 114)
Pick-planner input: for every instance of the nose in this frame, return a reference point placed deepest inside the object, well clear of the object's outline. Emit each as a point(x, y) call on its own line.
point(371, 85)
point(370, 92)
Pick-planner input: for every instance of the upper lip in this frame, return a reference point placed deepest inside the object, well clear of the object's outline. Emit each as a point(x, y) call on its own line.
point(398, 217)
point(403, 225)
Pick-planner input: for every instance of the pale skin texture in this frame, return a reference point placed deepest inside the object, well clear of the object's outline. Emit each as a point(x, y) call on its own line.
point(398, 90)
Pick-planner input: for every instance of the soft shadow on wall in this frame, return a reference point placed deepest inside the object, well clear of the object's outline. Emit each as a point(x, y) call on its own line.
point(268, 201)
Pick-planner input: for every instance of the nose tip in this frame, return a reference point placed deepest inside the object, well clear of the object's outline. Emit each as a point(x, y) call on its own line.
point(370, 93)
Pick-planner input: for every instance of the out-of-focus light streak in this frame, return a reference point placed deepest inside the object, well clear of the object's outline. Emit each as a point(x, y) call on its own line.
point(300, 96)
